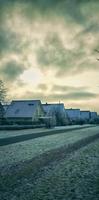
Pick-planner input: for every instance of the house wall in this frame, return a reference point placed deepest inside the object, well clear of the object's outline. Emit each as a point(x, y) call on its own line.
point(19, 119)
point(85, 115)
point(73, 114)
point(93, 115)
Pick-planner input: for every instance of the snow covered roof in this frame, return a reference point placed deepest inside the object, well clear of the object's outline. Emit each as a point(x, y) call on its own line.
point(52, 108)
point(22, 108)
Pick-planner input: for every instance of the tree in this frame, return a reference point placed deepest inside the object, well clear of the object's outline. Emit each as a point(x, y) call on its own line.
point(2, 91)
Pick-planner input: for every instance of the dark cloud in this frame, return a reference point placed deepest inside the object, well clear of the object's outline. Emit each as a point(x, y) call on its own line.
point(65, 88)
point(8, 42)
point(52, 52)
point(65, 8)
point(54, 97)
point(11, 42)
point(11, 70)
point(33, 95)
point(73, 96)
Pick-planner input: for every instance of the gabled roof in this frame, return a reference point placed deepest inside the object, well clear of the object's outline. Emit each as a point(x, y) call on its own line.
point(52, 108)
point(22, 108)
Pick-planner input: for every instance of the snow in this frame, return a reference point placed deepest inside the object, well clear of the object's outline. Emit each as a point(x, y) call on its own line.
point(11, 133)
point(26, 150)
point(75, 177)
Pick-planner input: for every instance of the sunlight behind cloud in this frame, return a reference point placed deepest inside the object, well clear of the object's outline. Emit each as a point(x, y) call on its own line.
point(32, 76)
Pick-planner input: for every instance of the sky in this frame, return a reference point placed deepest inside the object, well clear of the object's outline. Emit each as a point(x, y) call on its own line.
point(48, 51)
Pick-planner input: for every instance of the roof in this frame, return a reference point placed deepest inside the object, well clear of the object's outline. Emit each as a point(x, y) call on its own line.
point(22, 108)
point(72, 109)
point(52, 108)
point(85, 111)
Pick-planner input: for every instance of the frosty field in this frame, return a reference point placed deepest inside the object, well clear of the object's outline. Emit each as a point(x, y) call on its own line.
point(11, 133)
point(74, 177)
point(19, 152)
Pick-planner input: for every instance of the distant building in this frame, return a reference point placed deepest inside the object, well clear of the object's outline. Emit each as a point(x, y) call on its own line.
point(85, 115)
point(24, 111)
point(93, 115)
point(73, 114)
point(57, 112)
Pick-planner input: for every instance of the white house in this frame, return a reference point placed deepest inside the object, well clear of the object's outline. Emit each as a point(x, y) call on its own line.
point(24, 110)
point(57, 112)
point(85, 115)
point(93, 115)
point(73, 114)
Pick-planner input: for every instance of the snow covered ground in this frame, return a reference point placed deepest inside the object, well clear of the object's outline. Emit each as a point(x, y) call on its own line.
point(74, 177)
point(26, 150)
point(11, 133)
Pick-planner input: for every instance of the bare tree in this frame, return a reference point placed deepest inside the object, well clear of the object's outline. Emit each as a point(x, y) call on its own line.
point(2, 91)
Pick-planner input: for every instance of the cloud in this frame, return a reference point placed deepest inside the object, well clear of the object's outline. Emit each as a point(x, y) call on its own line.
point(54, 54)
point(11, 70)
point(42, 87)
point(62, 96)
point(83, 96)
point(8, 42)
point(66, 88)
point(19, 17)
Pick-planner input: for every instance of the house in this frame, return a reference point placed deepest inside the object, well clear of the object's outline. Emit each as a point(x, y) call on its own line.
point(57, 112)
point(23, 111)
point(1, 113)
point(85, 115)
point(93, 115)
point(73, 114)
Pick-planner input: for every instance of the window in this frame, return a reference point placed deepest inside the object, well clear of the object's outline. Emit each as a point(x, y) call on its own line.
point(31, 104)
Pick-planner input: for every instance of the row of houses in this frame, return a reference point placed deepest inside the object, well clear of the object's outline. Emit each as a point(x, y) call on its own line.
point(33, 111)
point(85, 115)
